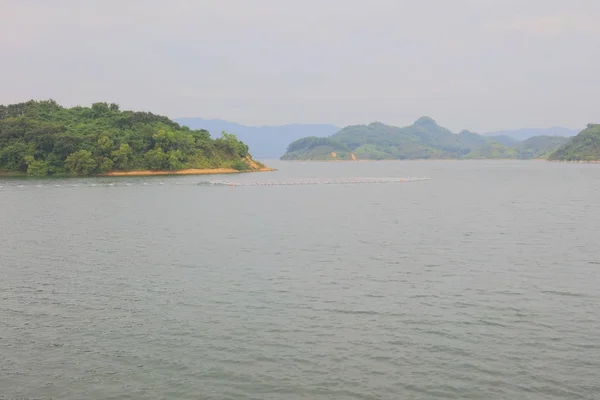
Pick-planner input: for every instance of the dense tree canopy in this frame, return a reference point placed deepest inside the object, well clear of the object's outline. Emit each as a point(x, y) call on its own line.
point(44, 138)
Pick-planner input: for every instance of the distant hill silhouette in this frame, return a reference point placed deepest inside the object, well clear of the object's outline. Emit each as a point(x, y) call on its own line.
point(424, 139)
point(526, 133)
point(265, 142)
point(502, 139)
point(271, 142)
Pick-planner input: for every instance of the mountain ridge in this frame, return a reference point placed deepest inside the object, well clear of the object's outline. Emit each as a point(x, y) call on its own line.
point(264, 142)
point(271, 141)
point(526, 133)
point(424, 139)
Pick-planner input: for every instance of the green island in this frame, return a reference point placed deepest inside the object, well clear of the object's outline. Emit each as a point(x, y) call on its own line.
point(583, 147)
point(41, 138)
point(424, 139)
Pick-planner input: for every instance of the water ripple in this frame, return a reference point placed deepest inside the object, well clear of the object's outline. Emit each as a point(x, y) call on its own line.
point(470, 286)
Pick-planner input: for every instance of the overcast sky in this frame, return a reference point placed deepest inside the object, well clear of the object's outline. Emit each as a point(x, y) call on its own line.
point(477, 64)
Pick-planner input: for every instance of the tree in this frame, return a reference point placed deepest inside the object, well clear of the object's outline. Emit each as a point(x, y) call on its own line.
point(176, 160)
point(100, 109)
point(121, 156)
point(35, 167)
point(106, 165)
point(240, 165)
point(81, 162)
point(232, 145)
point(157, 159)
point(12, 157)
point(105, 145)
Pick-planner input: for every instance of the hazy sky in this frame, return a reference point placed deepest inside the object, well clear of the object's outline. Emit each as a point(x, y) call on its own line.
point(477, 64)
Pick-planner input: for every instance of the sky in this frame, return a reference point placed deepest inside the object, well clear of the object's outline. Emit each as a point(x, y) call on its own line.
point(481, 65)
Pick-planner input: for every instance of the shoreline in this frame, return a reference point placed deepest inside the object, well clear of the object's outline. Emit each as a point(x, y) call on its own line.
point(454, 159)
point(189, 171)
point(10, 174)
point(425, 159)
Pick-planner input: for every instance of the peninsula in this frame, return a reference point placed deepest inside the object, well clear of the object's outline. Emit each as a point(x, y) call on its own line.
point(41, 138)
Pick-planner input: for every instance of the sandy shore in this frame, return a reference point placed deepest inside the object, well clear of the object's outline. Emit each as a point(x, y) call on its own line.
point(191, 171)
point(11, 174)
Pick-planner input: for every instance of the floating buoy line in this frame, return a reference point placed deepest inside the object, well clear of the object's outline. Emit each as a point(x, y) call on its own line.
point(213, 182)
point(346, 181)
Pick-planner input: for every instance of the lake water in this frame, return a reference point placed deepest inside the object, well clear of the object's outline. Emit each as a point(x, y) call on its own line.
point(480, 283)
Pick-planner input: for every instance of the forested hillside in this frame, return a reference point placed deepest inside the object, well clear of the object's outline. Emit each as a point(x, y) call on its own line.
point(43, 138)
point(583, 147)
point(424, 139)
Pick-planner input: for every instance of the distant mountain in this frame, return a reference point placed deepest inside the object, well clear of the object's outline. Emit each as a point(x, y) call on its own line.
point(540, 146)
point(583, 147)
point(265, 142)
point(424, 139)
point(526, 133)
point(502, 139)
point(534, 147)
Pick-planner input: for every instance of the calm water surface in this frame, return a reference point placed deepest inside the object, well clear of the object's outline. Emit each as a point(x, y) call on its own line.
point(481, 283)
